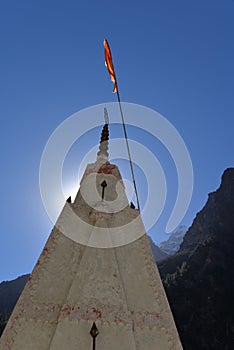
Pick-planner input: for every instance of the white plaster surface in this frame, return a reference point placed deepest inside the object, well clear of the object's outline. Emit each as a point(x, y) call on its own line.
point(73, 285)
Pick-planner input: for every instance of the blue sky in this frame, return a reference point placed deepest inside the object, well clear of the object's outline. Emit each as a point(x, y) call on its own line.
point(175, 56)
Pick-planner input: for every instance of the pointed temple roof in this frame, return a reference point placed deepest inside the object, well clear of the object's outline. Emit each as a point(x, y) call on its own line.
point(86, 294)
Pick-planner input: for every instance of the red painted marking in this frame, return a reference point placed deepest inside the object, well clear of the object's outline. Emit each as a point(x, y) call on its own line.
point(97, 312)
point(106, 168)
point(45, 251)
point(67, 310)
point(117, 319)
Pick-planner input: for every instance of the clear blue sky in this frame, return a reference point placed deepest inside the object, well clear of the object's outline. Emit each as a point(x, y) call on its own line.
point(175, 56)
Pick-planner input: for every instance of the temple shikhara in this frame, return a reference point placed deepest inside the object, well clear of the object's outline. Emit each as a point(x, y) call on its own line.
point(95, 285)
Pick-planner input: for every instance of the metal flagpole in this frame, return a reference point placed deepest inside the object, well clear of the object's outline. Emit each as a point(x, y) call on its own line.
point(110, 68)
point(127, 144)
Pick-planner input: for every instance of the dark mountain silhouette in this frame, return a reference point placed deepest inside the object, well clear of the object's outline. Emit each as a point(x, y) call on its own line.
point(9, 294)
point(157, 252)
point(199, 278)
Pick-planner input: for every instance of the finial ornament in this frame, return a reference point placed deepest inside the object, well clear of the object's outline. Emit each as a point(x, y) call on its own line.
point(94, 333)
point(103, 184)
point(106, 117)
point(103, 154)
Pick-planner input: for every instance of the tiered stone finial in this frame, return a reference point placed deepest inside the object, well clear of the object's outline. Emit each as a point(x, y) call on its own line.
point(102, 155)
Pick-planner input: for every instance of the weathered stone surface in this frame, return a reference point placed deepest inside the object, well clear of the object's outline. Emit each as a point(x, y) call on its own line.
point(73, 284)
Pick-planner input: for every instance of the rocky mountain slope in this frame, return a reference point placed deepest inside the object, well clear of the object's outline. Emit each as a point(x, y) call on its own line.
point(199, 279)
point(157, 252)
point(172, 244)
point(9, 294)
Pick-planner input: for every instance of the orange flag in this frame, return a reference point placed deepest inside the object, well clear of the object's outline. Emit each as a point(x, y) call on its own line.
point(109, 64)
